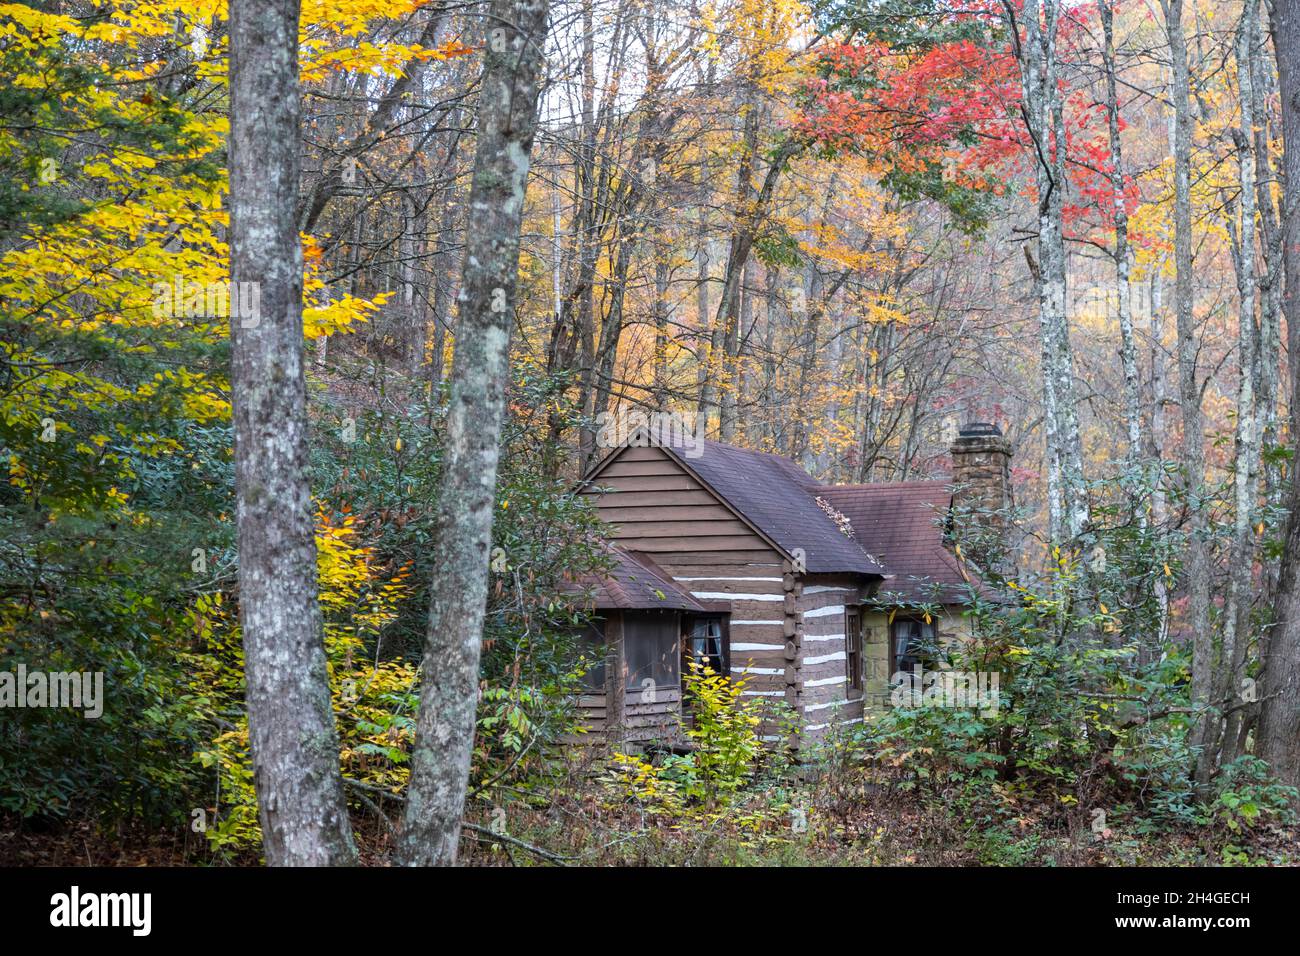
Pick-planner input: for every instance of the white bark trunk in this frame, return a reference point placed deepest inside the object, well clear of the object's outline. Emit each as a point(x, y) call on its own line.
point(1197, 563)
point(1068, 508)
point(290, 722)
point(1245, 480)
point(1279, 713)
point(1123, 254)
point(507, 119)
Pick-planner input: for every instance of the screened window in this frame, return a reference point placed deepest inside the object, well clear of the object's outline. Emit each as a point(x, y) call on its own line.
point(650, 650)
point(706, 644)
point(591, 644)
point(911, 643)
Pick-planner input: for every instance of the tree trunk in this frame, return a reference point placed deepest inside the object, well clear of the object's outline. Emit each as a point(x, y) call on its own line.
point(611, 329)
point(507, 119)
point(1128, 344)
point(1241, 562)
point(1279, 713)
point(725, 366)
point(708, 336)
point(1154, 645)
point(1270, 318)
point(291, 729)
point(1068, 508)
point(1197, 562)
point(762, 434)
point(661, 310)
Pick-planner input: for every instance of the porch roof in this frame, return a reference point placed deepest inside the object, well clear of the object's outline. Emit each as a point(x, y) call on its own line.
point(634, 583)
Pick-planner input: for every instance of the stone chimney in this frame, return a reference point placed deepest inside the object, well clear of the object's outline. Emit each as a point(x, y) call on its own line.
point(981, 477)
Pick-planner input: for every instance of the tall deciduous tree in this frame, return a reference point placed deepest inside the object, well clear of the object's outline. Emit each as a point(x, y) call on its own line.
point(1279, 714)
point(1189, 390)
point(1123, 253)
point(1044, 116)
point(507, 119)
point(1241, 558)
point(291, 725)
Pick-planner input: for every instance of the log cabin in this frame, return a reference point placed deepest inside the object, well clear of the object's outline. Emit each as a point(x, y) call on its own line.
point(814, 594)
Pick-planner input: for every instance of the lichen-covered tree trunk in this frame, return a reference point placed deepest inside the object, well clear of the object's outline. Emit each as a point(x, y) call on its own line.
point(1189, 391)
point(1128, 343)
point(1241, 562)
point(1153, 643)
point(507, 119)
point(1068, 509)
point(1279, 713)
point(1263, 87)
point(1032, 79)
point(1053, 302)
point(291, 725)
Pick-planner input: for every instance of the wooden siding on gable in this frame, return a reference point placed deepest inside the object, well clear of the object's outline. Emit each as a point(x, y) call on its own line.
point(658, 507)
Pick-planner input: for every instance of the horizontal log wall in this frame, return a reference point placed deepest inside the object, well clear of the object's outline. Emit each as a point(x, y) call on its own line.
point(826, 698)
point(754, 596)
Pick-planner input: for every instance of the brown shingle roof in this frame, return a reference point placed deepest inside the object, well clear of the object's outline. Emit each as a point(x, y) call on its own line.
point(901, 523)
point(897, 525)
point(777, 496)
point(635, 583)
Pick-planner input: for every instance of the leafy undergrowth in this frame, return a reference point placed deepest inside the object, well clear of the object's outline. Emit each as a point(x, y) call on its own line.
point(898, 791)
point(879, 821)
point(867, 815)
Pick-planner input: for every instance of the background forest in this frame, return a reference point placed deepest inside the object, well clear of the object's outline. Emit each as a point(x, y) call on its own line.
point(833, 230)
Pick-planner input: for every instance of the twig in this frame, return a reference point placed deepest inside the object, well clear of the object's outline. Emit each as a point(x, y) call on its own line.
point(492, 836)
point(374, 808)
point(480, 831)
point(510, 766)
point(358, 785)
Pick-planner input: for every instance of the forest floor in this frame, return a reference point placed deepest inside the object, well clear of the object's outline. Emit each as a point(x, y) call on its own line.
point(778, 822)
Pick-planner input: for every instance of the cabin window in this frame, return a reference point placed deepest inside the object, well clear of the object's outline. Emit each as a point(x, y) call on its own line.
point(853, 647)
point(705, 641)
point(911, 644)
point(650, 651)
point(591, 643)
